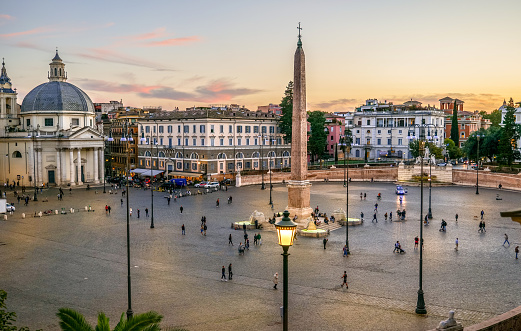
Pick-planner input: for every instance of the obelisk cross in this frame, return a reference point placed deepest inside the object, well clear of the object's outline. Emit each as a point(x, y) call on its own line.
point(299, 29)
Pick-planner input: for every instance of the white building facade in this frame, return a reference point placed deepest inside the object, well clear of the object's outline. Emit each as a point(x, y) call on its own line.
point(54, 141)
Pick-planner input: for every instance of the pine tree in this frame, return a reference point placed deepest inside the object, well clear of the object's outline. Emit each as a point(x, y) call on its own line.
point(318, 137)
point(507, 148)
point(454, 130)
point(286, 106)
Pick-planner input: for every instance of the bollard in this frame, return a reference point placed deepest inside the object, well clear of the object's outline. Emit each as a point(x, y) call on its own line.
point(23, 215)
point(56, 211)
point(86, 208)
point(5, 217)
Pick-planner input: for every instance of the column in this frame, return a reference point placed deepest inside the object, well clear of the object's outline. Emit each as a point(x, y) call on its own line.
point(78, 164)
point(30, 160)
point(63, 165)
point(101, 165)
point(40, 166)
point(96, 165)
point(71, 159)
point(57, 176)
point(35, 165)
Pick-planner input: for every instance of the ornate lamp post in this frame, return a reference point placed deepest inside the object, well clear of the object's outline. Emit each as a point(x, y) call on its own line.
point(286, 232)
point(478, 136)
point(261, 137)
point(271, 170)
point(33, 136)
point(346, 144)
point(420, 305)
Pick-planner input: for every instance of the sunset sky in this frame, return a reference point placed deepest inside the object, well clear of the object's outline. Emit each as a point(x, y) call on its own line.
point(186, 53)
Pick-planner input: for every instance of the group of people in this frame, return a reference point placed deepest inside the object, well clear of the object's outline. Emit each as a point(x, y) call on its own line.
point(223, 273)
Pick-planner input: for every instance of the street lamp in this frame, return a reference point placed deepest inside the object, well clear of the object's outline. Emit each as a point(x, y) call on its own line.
point(346, 143)
point(126, 136)
point(429, 214)
point(262, 161)
point(271, 170)
point(286, 229)
point(478, 136)
point(33, 136)
point(420, 305)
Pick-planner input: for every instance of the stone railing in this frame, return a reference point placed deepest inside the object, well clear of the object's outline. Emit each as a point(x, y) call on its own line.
point(486, 179)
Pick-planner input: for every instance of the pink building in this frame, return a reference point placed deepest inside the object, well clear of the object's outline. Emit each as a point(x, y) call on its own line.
point(335, 126)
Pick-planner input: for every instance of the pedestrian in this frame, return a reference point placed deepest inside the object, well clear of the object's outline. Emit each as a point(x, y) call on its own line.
point(183, 230)
point(344, 276)
point(259, 240)
point(217, 203)
point(456, 217)
point(385, 216)
point(325, 242)
point(138, 213)
point(248, 244)
point(130, 211)
point(484, 229)
point(181, 209)
point(202, 229)
point(416, 242)
point(146, 212)
point(275, 280)
point(70, 190)
point(223, 275)
point(376, 207)
point(482, 213)
point(374, 218)
point(516, 250)
point(230, 273)
point(245, 236)
point(361, 196)
point(205, 228)
point(506, 240)
point(365, 196)
point(122, 202)
point(106, 209)
point(230, 240)
point(110, 209)
point(500, 186)
point(168, 199)
point(391, 216)
point(457, 244)
point(255, 239)
point(361, 216)
point(396, 247)
point(345, 251)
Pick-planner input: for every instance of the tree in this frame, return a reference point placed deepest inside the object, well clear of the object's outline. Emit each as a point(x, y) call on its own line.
point(317, 137)
point(489, 145)
point(7, 318)
point(286, 106)
point(494, 117)
point(453, 150)
point(454, 130)
point(507, 149)
point(71, 320)
point(414, 147)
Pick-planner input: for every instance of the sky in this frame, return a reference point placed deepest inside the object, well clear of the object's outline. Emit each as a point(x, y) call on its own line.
point(197, 53)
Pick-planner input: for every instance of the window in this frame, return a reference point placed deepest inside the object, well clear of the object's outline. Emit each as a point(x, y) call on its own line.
point(247, 141)
point(389, 141)
point(378, 141)
point(170, 142)
point(399, 131)
point(358, 141)
point(212, 141)
point(75, 122)
point(256, 141)
point(368, 141)
point(202, 128)
point(379, 131)
point(357, 131)
point(368, 122)
point(388, 131)
point(211, 128)
point(161, 129)
point(230, 141)
point(49, 122)
point(331, 138)
point(194, 142)
point(400, 141)
point(255, 130)
point(221, 141)
point(161, 154)
point(230, 166)
point(154, 127)
point(161, 141)
point(332, 129)
point(194, 128)
point(272, 129)
point(230, 128)
point(263, 129)
point(28, 122)
point(239, 128)
point(239, 140)
point(17, 154)
point(186, 129)
point(179, 165)
point(178, 141)
point(256, 164)
point(247, 129)
point(179, 129)
point(186, 141)
point(194, 166)
point(202, 141)
point(147, 129)
point(169, 129)
point(221, 128)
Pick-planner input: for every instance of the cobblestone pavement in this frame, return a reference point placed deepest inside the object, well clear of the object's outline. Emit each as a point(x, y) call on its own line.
point(79, 260)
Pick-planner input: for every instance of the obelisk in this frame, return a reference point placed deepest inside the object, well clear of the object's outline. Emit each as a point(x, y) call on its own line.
point(299, 187)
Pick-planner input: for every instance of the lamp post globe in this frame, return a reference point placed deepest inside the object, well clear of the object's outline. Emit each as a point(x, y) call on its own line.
point(286, 229)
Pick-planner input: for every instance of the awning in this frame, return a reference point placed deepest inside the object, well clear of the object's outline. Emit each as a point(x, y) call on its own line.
point(147, 172)
point(185, 174)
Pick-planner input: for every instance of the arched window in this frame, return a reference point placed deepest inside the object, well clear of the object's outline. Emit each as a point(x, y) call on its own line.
point(221, 156)
point(178, 155)
point(285, 154)
point(194, 156)
point(255, 155)
point(161, 154)
point(60, 71)
point(17, 154)
point(239, 155)
point(147, 153)
point(55, 72)
point(271, 154)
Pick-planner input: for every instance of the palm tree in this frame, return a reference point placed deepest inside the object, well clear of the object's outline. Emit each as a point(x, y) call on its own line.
point(71, 320)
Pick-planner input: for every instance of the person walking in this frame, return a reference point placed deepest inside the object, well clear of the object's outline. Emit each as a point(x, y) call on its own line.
point(122, 202)
point(110, 209)
point(181, 209)
point(107, 209)
point(385, 216)
point(344, 282)
point(230, 240)
point(374, 218)
point(202, 229)
point(484, 229)
point(183, 230)
point(456, 217)
point(325, 242)
point(391, 216)
point(345, 251)
point(365, 196)
point(138, 213)
point(230, 273)
point(506, 240)
point(376, 207)
point(130, 211)
point(457, 244)
point(217, 203)
point(361, 196)
point(416, 240)
point(275, 280)
point(259, 240)
point(146, 212)
point(168, 199)
point(396, 247)
point(362, 216)
point(482, 213)
point(516, 250)
point(205, 228)
point(223, 274)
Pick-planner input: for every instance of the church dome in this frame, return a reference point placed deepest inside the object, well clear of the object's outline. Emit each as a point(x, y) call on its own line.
point(57, 96)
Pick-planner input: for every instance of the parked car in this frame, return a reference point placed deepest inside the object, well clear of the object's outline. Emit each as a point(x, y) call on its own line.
point(201, 184)
point(212, 185)
point(400, 190)
point(9, 207)
point(443, 164)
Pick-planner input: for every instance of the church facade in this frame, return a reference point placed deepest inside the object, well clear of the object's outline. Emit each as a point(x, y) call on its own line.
point(52, 138)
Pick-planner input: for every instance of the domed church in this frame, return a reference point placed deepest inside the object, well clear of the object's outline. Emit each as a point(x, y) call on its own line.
point(52, 138)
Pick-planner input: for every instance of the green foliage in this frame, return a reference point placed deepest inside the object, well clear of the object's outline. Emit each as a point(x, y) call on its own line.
point(318, 137)
point(71, 320)
point(507, 149)
point(8, 318)
point(454, 130)
point(494, 117)
point(414, 147)
point(454, 151)
point(286, 105)
point(488, 143)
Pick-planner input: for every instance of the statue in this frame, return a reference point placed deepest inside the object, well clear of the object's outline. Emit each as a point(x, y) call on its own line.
point(450, 324)
point(427, 152)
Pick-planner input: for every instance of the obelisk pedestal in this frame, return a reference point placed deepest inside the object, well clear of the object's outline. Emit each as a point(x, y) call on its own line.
point(299, 192)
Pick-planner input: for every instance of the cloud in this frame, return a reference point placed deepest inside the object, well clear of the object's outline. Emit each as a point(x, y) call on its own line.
point(23, 44)
point(157, 33)
point(172, 41)
point(214, 91)
point(335, 103)
point(38, 30)
point(4, 18)
point(107, 55)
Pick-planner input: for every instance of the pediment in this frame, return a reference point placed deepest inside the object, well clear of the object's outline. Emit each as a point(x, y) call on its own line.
point(86, 133)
